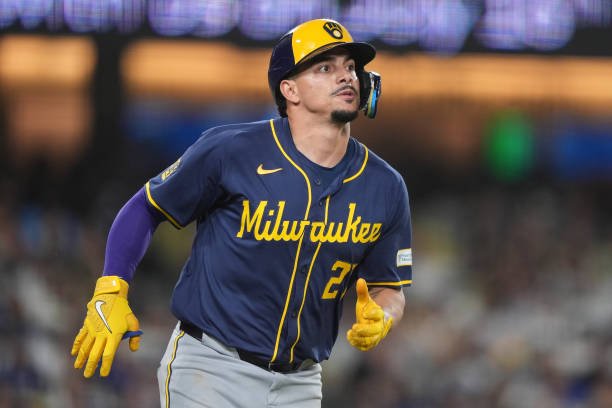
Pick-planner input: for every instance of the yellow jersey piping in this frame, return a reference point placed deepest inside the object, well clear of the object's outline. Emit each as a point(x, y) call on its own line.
point(297, 255)
point(304, 300)
point(168, 216)
point(326, 208)
point(365, 160)
point(170, 368)
point(306, 286)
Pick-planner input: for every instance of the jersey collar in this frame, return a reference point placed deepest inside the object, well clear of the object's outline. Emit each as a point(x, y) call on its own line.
point(353, 169)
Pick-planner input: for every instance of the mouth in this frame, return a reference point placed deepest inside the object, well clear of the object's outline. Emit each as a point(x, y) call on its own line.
point(346, 92)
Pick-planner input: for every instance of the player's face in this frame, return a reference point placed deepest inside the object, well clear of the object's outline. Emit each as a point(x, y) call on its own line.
point(330, 86)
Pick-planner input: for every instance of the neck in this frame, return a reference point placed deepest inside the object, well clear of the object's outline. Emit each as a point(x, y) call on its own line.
point(322, 142)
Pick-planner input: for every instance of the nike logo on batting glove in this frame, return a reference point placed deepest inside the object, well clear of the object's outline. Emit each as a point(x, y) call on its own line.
point(98, 305)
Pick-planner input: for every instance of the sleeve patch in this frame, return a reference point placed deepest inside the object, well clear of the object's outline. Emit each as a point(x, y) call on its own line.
point(168, 172)
point(404, 257)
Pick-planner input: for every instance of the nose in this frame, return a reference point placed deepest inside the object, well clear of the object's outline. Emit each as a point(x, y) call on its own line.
point(345, 77)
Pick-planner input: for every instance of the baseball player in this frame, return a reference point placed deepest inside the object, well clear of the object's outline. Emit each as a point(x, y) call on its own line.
point(290, 213)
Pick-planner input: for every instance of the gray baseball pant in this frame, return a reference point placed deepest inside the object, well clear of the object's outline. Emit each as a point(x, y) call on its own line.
point(208, 374)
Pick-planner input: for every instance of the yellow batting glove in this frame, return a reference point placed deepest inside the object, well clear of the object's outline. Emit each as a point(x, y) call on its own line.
point(371, 326)
point(109, 319)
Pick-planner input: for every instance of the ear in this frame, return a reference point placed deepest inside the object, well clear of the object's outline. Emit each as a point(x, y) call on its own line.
point(289, 90)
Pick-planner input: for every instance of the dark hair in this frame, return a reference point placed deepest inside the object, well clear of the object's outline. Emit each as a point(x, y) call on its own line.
point(281, 103)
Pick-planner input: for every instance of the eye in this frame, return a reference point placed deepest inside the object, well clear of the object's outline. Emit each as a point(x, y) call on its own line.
point(324, 68)
point(350, 67)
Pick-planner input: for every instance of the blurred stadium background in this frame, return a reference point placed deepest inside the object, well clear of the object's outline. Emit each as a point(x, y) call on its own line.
point(497, 112)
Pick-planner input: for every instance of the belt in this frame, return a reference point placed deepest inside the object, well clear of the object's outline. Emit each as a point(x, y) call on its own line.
point(244, 355)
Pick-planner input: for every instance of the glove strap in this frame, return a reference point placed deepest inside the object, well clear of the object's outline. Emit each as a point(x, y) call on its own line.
point(387, 321)
point(111, 284)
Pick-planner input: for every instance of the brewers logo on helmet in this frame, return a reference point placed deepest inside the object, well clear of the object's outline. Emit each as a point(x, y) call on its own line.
point(312, 38)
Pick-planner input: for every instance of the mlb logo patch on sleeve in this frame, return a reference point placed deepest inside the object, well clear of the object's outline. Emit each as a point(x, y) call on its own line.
point(404, 257)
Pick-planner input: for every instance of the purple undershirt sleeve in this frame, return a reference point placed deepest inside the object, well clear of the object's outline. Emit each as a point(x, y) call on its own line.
point(129, 236)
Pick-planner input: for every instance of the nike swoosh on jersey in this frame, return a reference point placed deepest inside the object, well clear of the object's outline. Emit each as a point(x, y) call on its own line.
point(99, 304)
point(261, 170)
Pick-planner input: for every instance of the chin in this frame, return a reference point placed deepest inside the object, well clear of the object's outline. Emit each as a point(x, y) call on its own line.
point(344, 116)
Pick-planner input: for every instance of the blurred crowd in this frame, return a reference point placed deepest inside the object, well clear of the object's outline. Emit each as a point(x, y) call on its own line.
point(510, 307)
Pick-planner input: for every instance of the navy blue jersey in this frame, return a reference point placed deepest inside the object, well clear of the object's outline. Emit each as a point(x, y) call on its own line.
point(276, 249)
